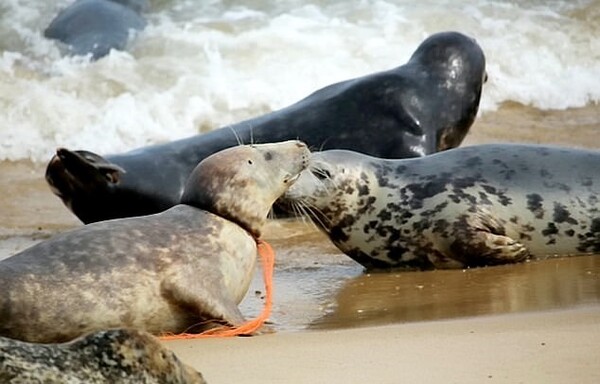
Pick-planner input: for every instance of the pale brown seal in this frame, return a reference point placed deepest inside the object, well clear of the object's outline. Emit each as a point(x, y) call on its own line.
point(122, 356)
point(164, 273)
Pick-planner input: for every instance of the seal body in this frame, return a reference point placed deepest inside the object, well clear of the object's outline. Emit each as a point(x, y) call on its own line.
point(180, 270)
point(111, 356)
point(471, 206)
point(97, 26)
point(424, 106)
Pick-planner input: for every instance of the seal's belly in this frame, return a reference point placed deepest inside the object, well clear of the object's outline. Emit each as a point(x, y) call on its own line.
point(557, 224)
point(561, 225)
point(66, 299)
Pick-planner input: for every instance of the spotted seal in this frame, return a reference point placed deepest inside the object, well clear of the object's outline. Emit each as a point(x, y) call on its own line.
point(97, 26)
point(424, 106)
point(471, 206)
point(163, 273)
point(122, 356)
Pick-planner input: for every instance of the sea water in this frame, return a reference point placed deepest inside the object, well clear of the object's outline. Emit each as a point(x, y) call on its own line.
point(201, 65)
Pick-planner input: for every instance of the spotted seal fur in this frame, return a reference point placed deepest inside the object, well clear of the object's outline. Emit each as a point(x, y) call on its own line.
point(471, 206)
point(123, 356)
point(164, 273)
point(421, 107)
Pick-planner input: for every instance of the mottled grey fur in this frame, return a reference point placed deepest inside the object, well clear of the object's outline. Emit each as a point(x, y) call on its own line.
point(471, 206)
point(116, 356)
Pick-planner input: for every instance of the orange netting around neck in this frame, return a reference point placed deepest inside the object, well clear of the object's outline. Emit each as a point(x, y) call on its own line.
point(268, 260)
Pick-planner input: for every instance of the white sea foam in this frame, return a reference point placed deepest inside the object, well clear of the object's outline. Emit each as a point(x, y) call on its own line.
point(202, 65)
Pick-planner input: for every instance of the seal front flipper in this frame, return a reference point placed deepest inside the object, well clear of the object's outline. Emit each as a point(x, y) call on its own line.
point(482, 241)
point(74, 172)
point(89, 166)
point(205, 300)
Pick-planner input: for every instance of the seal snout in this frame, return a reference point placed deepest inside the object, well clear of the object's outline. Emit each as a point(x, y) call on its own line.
point(294, 161)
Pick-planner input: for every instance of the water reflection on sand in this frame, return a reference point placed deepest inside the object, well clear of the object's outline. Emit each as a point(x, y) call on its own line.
point(374, 299)
point(317, 287)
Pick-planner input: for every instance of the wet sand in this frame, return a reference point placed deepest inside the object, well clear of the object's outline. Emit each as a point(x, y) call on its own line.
point(320, 293)
point(543, 347)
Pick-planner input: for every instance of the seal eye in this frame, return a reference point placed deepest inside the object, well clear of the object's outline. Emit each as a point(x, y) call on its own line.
point(250, 162)
point(321, 174)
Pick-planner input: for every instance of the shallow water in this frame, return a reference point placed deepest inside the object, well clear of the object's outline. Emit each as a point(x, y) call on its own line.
point(316, 287)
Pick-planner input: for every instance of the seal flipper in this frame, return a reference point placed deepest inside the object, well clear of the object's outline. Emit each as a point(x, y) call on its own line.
point(482, 241)
point(71, 172)
point(203, 302)
point(88, 165)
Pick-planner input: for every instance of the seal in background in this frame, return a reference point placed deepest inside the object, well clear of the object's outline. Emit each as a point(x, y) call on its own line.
point(424, 106)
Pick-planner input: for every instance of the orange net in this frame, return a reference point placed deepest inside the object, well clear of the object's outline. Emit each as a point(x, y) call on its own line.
point(268, 261)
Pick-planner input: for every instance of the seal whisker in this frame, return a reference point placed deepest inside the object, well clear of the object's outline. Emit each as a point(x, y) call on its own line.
point(296, 210)
point(303, 214)
point(322, 145)
point(300, 212)
point(237, 137)
point(315, 214)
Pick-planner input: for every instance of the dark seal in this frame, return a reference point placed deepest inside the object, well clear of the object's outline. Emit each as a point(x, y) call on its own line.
point(185, 269)
point(424, 106)
point(112, 356)
point(97, 26)
point(466, 207)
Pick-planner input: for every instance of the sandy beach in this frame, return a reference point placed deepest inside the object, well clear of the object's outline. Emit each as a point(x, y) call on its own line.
point(544, 347)
point(530, 323)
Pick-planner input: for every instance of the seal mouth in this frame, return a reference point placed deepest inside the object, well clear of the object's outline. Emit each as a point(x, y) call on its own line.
point(291, 179)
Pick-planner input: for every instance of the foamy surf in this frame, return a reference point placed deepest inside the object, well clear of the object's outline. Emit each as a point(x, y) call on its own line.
point(202, 65)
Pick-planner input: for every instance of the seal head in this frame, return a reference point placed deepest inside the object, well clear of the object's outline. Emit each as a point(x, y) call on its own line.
point(446, 103)
point(269, 168)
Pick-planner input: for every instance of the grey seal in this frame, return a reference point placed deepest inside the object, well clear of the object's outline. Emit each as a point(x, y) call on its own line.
point(184, 269)
point(422, 107)
point(465, 207)
point(97, 26)
point(122, 356)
